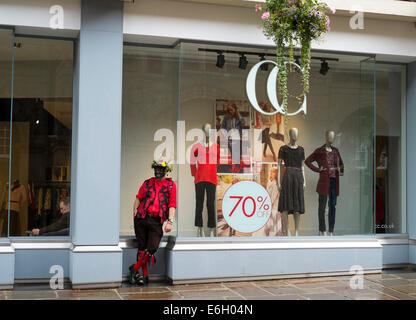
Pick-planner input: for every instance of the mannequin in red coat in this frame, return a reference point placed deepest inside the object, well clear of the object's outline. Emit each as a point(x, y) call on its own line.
point(330, 168)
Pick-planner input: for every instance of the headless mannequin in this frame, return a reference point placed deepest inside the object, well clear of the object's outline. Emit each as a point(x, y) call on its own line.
point(329, 140)
point(207, 143)
point(293, 135)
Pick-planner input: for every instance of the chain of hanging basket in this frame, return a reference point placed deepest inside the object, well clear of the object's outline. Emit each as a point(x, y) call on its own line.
point(291, 22)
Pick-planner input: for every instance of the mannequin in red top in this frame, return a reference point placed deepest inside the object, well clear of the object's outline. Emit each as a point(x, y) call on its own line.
point(204, 161)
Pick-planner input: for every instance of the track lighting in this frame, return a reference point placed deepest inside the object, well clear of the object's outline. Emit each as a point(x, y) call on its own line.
point(220, 60)
point(264, 66)
point(324, 67)
point(242, 64)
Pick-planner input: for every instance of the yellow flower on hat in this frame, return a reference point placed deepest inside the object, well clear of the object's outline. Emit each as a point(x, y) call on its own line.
point(164, 164)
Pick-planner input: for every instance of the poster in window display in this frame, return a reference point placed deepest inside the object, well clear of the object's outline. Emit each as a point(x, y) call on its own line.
point(267, 138)
point(233, 117)
point(267, 175)
point(268, 134)
point(225, 181)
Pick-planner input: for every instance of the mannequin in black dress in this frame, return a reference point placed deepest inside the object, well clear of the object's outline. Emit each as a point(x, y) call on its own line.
point(292, 187)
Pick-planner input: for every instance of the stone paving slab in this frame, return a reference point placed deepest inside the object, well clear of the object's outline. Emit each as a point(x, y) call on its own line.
point(202, 286)
point(409, 276)
point(151, 296)
point(143, 290)
point(378, 297)
point(324, 284)
point(234, 298)
point(240, 285)
point(390, 285)
point(318, 290)
point(406, 289)
point(213, 294)
point(88, 294)
point(251, 292)
point(284, 290)
point(324, 296)
point(393, 282)
point(396, 294)
point(272, 282)
point(26, 295)
point(279, 297)
point(399, 271)
point(380, 276)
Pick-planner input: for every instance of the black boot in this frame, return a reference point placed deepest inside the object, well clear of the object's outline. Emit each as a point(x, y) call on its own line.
point(145, 280)
point(133, 275)
point(140, 280)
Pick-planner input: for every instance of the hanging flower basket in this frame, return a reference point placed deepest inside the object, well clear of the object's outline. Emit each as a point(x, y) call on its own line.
point(290, 23)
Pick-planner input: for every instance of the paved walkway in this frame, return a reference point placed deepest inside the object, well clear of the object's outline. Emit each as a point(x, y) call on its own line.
point(390, 285)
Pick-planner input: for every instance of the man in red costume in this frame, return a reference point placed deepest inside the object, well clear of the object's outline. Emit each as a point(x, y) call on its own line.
point(155, 203)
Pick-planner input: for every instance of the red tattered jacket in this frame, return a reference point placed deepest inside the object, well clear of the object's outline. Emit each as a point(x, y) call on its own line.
point(319, 156)
point(147, 196)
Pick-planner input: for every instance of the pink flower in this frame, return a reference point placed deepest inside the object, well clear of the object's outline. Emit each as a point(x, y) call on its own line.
point(265, 15)
point(258, 7)
point(333, 10)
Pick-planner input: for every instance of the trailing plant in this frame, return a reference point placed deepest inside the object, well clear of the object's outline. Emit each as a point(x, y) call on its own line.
point(289, 23)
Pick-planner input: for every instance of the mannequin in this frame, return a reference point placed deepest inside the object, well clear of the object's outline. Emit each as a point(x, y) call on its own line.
point(18, 198)
point(204, 161)
point(292, 186)
point(330, 168)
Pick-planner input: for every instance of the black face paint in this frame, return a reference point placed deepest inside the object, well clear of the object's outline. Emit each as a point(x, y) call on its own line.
point(160, 172)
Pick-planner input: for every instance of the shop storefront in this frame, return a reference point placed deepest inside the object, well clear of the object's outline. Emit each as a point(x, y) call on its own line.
point(85, 112)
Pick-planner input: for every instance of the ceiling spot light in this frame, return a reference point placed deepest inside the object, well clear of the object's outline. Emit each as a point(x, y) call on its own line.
point(324, 68)
point(242, 64)
point(220, 60)
point(264, 66)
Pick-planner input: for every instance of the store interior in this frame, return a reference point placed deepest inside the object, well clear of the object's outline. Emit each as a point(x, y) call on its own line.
point(36, 132)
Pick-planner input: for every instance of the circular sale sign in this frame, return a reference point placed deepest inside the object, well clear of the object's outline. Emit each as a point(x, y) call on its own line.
point(246, 206)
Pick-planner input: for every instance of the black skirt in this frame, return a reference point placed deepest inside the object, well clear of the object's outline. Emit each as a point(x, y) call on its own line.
point(291, 197)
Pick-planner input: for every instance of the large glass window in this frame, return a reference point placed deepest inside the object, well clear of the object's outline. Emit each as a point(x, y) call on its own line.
point(41, 133)
point(390, 191)
point(6, 42)
point(150, 112)
point(340, 100)
point(329, 175)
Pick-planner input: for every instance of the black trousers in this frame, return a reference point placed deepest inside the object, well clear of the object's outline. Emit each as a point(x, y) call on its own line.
point(148, 232)
point(332, 202)
point(200, 189)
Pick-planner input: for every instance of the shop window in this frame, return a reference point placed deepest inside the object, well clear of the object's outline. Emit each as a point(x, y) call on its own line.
point(6, 42)
point(192, 88)
point(390, 190)
point(339, 101)
point(150, 108)
point(41, 133)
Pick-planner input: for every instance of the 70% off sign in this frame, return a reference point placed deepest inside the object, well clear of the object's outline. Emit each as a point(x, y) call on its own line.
point(246, 206)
